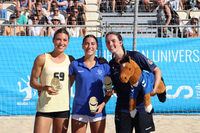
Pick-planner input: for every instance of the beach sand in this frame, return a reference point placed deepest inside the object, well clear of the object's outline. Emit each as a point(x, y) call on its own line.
point(163, 124)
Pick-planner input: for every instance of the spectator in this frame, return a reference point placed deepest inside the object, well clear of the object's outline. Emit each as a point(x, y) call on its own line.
point(175, 4)
point(163, 18)
point(42, 18)
point(197, 7)
point(1, 5)
point(53, 3)
point(62, 4)
point(36, 31)
point(191, 31)
point(25, 4)
point(51, 30)
point(9, 30)
point(56, 13)
point(79, 18)
point(21, 19)
point(80, 9)
point(122, 4)
point(43, 8)
point(186, 4)
point(103, 5)
point(74, 31)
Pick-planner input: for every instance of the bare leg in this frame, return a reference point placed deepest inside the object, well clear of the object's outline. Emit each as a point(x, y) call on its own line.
point(98, 126)
point(60, 125)
point(42, 124)
point(78, 126)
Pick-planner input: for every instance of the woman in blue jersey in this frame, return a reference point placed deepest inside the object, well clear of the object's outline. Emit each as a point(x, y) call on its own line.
point(89, 74)
point(52, 105)
point(142, 122)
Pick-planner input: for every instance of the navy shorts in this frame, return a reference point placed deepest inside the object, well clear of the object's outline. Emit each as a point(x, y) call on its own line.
point(143, 123)
point(62, 114)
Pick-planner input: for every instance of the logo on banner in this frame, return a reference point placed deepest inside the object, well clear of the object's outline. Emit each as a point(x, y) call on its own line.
point(30, 93)
point(178, 91)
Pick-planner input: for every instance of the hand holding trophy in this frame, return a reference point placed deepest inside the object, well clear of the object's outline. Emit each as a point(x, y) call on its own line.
point(93, 103)
point(107, 83)
point(55, 84)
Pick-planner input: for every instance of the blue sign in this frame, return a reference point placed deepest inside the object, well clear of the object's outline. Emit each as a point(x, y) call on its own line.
point(178, 59)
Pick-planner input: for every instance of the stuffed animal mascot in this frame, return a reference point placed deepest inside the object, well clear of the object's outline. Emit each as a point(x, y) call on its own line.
point(139, 80)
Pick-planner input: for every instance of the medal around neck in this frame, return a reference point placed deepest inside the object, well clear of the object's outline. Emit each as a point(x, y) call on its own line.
point(93, 103)
point(55, 84)
point(107, 83)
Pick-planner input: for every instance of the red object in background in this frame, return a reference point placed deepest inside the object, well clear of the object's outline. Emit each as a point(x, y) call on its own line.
point(194, 35)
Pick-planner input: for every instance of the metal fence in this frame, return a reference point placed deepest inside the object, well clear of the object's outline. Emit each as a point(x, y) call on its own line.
point(143, 31)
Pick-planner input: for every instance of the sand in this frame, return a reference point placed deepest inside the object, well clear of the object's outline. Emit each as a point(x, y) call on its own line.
point(163, 123)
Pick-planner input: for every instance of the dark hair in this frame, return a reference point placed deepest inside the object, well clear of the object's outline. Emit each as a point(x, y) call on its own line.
point(61, 30)
point(119, 38)
point(70, 19)
point(55, 6)
point(75, 0)
point(90, 36)
point(74, 8)
point(35, 16)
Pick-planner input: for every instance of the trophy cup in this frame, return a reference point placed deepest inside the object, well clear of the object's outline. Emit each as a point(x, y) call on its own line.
point(93, 102)
point(55, 84)
point(107, 83)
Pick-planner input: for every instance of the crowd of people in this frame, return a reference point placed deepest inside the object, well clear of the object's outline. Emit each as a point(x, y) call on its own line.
point(44, 12)
point(74, 14)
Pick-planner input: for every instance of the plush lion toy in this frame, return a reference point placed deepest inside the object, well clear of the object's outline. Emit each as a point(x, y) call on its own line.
point(139, 80)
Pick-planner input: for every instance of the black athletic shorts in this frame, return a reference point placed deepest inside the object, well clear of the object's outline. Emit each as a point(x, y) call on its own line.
point(62, 114)
point(143, 123)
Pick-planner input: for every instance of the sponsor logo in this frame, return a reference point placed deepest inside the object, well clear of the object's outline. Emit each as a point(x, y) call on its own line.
point(30, 93)
point(143, 83)
point(80, 71)
point(178, 91)
point(148, 128)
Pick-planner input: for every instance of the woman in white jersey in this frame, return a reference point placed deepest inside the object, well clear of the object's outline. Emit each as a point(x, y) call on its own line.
point(52, 105)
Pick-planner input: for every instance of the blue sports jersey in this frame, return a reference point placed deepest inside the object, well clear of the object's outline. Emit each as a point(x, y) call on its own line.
point(89, 82)
point(123, 89)
point(145, 83)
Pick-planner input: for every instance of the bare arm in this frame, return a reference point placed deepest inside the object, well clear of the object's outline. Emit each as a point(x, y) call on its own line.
point(36, 72)
point(181, 4)
point(157, 72)
point(42, 32)
point(168, 14)
point(80, 33)
point(63, 3)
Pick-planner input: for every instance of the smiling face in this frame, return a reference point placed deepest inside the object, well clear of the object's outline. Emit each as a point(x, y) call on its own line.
point(113, 43)
point(89, 46)
point(61, 42)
